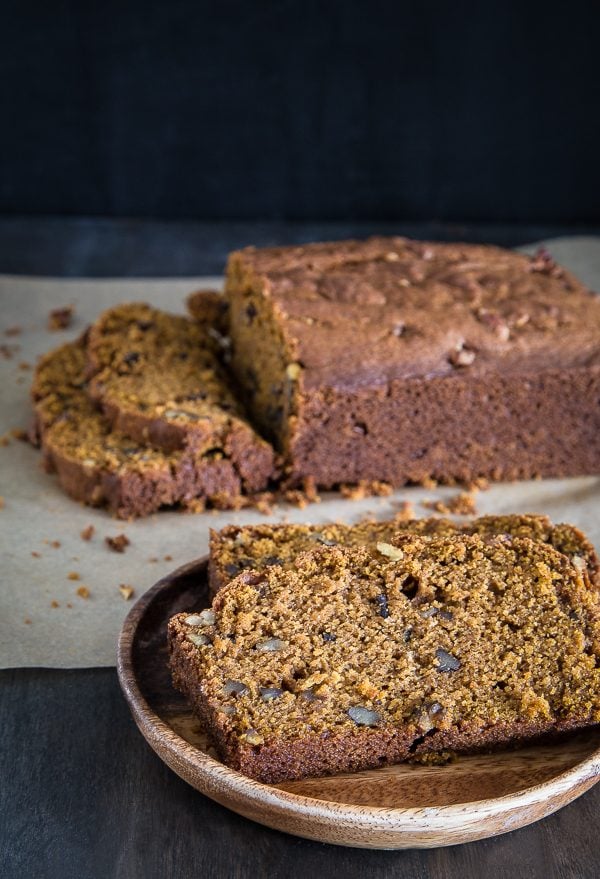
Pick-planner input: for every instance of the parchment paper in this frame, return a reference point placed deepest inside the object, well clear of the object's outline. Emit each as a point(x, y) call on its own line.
point(82, 632)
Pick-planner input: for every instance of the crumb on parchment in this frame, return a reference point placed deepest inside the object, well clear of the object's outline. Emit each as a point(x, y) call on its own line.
point(61, 318)
point(119, 543)
point(462, 504)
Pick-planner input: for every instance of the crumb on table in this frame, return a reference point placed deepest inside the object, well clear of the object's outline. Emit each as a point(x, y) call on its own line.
point(365, 488)
point(60, 318)
point(117, 543)
point(7, 351)
point(88, 532)
point(462, 504)
point(404, 511)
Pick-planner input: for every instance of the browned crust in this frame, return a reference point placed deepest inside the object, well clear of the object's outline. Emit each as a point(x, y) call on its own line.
point(364, 748)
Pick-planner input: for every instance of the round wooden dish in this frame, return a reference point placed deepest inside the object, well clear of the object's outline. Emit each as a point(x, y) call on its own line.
point(405, 806)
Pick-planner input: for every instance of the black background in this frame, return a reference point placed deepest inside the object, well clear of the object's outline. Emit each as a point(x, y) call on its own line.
point(301, 109)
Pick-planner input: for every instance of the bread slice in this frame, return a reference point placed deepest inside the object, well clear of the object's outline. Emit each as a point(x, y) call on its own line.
point(354, 658)
point(103, 467)
point(211, 308)
point(235, 548)
point(158, 379)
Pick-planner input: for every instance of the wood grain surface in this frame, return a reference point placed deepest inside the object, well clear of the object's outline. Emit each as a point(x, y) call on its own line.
point(403, 806)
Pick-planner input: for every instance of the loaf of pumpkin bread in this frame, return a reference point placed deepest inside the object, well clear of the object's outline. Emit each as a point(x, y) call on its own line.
point(398, 360)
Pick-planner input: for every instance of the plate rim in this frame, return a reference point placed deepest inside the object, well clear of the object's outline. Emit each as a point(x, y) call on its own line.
point(413, 820)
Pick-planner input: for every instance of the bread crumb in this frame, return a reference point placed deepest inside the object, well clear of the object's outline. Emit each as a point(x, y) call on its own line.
point(462, 504)
point(118, 543)
point(19, 434)
point(4, 440)
point(196, 505)
point(55, 544)
point(309, 487)
point(24, 365)
point(88, 532)
point(35, 554)
point(1, 502)
point(429, 482)
point(54, 603)
point(126, 591)
point(60, 318)
point(264, 505)
point(168, 558)
point(13, 331)
point(296, 497)
point(83, 592)
point(27, 621)
point(365, 488)
point(223, 501)
point(479, 484)
point(405, 511)
point(7, 351)
point(69, 604)
point(73, 575)
point(153, 559)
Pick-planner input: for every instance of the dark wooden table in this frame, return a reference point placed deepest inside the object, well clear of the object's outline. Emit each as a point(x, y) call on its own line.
point(81, 794)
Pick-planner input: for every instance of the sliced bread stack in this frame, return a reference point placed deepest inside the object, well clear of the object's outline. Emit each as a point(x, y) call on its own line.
point(139, 414)
point(366, 651)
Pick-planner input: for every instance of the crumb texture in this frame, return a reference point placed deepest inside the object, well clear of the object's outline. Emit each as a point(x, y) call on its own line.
point(351, 658)
point(237, 548)
point(157, 377)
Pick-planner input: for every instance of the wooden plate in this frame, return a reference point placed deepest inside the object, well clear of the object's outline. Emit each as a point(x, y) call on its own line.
point(405, 806)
